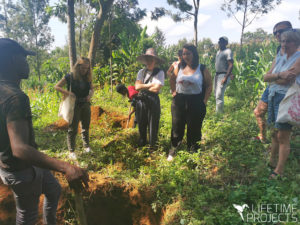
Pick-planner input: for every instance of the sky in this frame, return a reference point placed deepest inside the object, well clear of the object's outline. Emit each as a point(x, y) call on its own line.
point(212, 22)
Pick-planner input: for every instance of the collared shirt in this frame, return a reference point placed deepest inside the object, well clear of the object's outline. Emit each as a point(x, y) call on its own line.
point(222, 58)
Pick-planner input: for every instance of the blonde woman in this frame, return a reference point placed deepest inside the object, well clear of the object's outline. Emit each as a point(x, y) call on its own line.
point(81, 86)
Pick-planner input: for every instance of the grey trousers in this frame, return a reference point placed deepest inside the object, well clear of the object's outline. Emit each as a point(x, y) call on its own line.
point(82, 114)
point(27, 186)
point(220, 91)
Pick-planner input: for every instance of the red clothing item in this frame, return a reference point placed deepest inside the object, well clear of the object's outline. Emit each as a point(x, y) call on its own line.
point(131, 92)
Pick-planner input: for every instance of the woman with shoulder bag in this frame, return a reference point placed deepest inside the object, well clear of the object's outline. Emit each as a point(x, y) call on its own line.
point(281, 77)
point(191, 87)
point(80, 81)
point(149, 82)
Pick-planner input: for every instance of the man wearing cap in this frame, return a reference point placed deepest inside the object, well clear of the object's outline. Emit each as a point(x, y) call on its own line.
point(22, 167)
point(224, 65)
point(149, 82)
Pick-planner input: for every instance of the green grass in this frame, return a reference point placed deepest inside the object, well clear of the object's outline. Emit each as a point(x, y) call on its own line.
point(228, 169)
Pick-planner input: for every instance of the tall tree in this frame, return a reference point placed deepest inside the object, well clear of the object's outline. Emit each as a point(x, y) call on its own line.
point(71, 33)
point(186, 11)
point(104, 7)
point(250, 10)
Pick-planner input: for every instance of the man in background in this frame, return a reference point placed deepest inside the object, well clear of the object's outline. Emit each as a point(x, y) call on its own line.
point(224, 66)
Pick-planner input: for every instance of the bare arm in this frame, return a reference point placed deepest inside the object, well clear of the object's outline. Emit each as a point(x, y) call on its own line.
point(173, 81)
point(229, 69)
point(141, 86)
point(291, 73)
point(208, 83)
point(284, 77)
point(269, 77)
point(155, 88)
point(91, 93)
point(170, 70)
point(59, 87)
point(18, 132)
point(228, 72)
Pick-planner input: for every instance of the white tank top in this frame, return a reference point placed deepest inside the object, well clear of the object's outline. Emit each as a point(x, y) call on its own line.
point(189, 84)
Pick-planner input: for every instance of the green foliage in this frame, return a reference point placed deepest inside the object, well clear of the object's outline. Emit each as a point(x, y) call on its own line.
point(52, 71)
point(124, 63)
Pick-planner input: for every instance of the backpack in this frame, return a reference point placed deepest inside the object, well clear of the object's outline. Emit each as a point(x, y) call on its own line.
point(202, 68)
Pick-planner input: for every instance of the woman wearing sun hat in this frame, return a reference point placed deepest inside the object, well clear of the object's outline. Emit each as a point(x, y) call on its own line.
point(149, 82)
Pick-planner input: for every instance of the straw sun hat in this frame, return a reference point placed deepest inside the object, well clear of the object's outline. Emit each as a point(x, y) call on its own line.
point(150, 53)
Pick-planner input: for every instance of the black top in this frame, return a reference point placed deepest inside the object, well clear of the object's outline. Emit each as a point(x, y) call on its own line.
point(14, 105)
point(79, 87)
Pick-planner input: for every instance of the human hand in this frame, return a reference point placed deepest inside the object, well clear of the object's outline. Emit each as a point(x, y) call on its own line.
point(76, 177)
point(174, 94)
point(223, 81)
point(287, 75)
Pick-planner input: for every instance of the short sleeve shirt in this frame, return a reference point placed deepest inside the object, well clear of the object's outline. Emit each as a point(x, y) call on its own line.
point(222, 59)
point(14, 105)
point(159, 78)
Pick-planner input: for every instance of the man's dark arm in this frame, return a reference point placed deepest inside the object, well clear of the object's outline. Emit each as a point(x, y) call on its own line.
point(18, 132)
point(228, 72)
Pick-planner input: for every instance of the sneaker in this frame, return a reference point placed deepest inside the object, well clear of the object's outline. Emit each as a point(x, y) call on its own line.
point(170, 158)
point(87, 150)
point(171, 154)
point(72, 155)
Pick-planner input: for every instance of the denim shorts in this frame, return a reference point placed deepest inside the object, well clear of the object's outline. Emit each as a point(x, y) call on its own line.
point(273, 106)
point(265, 95)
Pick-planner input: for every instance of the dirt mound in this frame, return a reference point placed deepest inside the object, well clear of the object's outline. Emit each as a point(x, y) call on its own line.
point(99, 117)
point(107, 202)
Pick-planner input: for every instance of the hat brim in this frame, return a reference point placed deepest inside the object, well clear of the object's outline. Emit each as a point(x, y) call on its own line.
point(27, 52)
point(143, 59)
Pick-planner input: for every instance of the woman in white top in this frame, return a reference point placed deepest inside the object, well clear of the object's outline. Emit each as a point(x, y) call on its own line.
point(191, 88)
point(149, 82)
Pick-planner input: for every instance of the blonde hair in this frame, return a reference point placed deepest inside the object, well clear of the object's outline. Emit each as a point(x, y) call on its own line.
point(76, 70)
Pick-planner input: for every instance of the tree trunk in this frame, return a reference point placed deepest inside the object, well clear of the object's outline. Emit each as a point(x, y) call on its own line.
point(104, 9)
point(71, 33)
point(196, 5)
point(80, 28)
point(244, 23)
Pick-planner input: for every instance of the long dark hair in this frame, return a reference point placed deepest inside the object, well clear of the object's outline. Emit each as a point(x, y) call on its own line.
point(195, 61)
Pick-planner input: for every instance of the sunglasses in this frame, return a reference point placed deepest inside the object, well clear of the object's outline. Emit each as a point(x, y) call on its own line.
point(281, 31)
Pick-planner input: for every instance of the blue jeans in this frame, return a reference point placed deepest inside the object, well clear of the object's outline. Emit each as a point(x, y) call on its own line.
point(220, 91)
point(265, 95)
point(273, 106)
point(27, 186)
